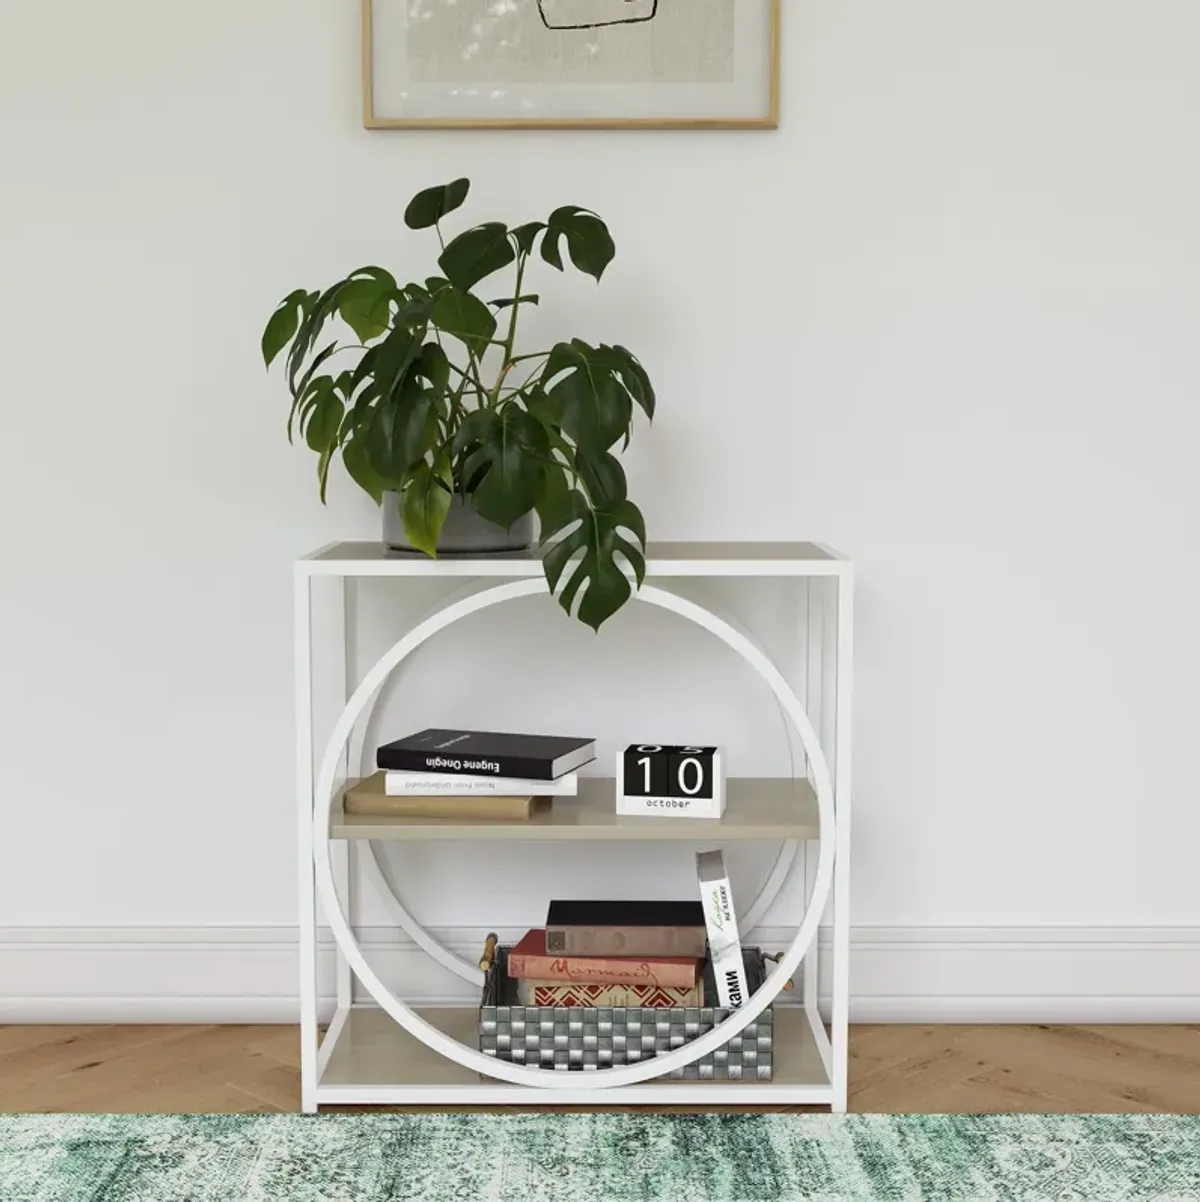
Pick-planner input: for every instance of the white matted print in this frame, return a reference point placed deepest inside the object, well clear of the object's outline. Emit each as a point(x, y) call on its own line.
point(565, 63)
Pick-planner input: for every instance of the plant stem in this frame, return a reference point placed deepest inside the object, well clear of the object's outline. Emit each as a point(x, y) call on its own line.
point(512, 322)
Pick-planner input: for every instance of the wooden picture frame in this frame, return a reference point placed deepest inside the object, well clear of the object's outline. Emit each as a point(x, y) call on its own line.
point(380, 113)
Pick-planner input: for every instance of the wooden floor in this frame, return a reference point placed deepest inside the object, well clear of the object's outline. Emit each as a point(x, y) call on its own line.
point(898, 1068)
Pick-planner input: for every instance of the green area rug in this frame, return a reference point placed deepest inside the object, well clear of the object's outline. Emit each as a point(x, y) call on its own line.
point(606, 1158)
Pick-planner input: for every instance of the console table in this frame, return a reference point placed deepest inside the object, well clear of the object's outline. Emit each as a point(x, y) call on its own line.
point(388, 1053)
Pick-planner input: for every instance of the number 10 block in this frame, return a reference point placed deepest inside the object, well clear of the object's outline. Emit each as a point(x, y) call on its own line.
point(659, 781)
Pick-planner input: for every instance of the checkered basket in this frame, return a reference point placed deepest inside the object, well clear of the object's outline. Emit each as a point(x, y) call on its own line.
point(571, 1038)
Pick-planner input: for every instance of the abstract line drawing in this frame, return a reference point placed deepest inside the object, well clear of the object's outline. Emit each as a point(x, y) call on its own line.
point(595, 14)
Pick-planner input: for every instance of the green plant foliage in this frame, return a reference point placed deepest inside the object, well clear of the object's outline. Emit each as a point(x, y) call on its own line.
point(430, 399)
point(429, 207)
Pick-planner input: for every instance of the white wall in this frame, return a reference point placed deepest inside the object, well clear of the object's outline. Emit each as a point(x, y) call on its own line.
point(944, 319)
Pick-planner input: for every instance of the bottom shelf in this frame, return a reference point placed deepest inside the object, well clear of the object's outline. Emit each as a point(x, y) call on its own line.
point(374, 1062)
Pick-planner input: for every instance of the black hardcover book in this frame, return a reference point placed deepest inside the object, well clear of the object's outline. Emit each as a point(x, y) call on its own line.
point(625, 914)
point(486, 753)
point(626, 928)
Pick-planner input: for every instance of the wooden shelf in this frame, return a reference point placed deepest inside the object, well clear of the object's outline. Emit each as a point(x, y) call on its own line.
point(374, 1058)
point(758, 808)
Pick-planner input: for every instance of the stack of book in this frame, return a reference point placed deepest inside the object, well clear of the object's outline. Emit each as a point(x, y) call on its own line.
point(635, 953)
point(472, 775)
point(613, 953)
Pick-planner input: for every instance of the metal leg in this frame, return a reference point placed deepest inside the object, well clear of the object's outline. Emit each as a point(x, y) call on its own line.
point(814, 658)
point(841, 879)
point(304, 796)
point(343, 849)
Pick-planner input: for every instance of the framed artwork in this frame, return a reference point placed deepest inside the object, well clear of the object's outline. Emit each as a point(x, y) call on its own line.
point(570, 64)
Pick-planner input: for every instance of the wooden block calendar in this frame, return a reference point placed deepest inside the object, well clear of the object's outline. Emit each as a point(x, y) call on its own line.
point(660, 781)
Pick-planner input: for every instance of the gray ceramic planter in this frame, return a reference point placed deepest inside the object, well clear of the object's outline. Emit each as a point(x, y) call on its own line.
point(465, 532)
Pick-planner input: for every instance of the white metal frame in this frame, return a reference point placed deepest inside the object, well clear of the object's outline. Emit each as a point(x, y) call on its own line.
point(324, 864)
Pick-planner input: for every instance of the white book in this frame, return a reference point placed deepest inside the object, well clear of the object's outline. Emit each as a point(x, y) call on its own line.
point(431, 784)
point(724, 943)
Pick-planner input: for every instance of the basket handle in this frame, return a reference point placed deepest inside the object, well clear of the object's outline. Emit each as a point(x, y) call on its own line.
point(489, 952)
point(788, 985)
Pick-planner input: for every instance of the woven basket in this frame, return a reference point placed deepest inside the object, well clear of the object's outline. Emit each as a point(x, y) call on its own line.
point(578, 1038)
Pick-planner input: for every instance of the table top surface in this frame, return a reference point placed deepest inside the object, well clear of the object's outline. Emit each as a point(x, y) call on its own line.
point(662, 559)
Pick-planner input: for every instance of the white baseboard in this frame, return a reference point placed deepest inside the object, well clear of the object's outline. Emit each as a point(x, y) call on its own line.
point(898, 975)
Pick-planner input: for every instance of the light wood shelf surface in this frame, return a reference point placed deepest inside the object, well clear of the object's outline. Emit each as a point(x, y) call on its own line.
point(662, 560)
point(758, 808)
point(372, 1051)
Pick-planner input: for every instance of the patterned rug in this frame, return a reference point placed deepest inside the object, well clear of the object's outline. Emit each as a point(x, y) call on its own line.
point(597, 1158)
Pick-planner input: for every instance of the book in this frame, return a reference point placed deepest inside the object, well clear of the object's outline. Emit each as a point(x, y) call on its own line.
point(626, 928)
point(486, 753)
point(368, 797)
point(556, 993)
point(725, 945)
point(530, 959)
point(429, 784)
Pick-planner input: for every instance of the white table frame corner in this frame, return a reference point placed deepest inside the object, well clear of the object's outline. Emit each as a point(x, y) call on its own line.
point(387, 1053)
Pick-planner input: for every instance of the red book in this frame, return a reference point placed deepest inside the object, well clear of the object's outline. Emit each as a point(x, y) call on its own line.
point(529, 960)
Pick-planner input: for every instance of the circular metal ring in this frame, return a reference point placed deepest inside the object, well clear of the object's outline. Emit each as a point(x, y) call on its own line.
point(532, 1075)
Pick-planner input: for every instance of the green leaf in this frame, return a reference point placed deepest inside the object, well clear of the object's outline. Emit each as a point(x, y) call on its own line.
point(426, 502)
point(476, 254)
point(401, 432)
point(416, 311)
point(589, 243)
point(365, 306)
point(464, 317)
point(304, 381)
point(318, 309)
point(395, 355)
point(427, 208)
point(594, 547)
point(603, 477)
point(592, 406)
point(326, 421)
point(508, 452)
point(323, 471)
point(633, 376)
point(282, 327)
point(526, 235)
point(306, 402)
point(305, 385)
point(508, 303)
point(558, 505)
point(354, 456)
point(366, 367)
point(434, 366)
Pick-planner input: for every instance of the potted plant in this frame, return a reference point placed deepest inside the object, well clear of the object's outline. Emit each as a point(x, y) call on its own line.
point(437, 416)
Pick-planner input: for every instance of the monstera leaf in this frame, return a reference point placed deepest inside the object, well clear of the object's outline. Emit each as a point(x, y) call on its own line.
point(588, 394)
point(365, 303)
point(588, 541)
point(475, 255)
point(589, 243)
point(401, 431)
point(426, 502)
point(429, 207)
point(506, 452)
point(465, 317)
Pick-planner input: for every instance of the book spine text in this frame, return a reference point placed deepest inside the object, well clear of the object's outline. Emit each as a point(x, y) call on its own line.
point(599, 971)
